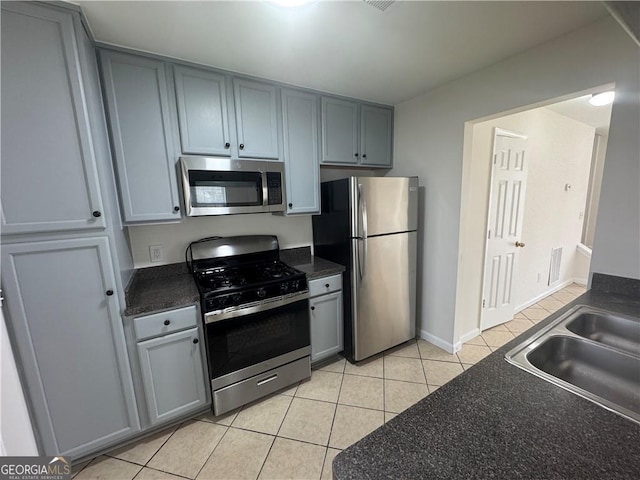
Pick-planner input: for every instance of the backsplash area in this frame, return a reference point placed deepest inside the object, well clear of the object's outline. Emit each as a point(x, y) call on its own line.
point(174, 238)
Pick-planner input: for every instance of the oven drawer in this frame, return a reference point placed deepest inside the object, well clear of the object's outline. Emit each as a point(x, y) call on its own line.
point(165, 322)
point(233, 396)
point(320, 286)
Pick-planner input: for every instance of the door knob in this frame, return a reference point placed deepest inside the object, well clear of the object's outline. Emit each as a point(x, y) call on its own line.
point(519, 244)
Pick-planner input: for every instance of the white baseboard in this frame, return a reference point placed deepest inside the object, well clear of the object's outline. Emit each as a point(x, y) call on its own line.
point(438, 342)
point(469, 335)
point(551, 291)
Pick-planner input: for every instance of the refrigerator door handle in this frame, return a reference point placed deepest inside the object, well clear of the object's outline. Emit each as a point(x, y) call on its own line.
point(363, 213)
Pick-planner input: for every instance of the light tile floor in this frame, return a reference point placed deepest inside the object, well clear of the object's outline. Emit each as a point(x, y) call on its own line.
point(297, 432)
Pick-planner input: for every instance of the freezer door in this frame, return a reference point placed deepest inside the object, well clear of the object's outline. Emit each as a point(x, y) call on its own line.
point(383, 293)
point(382, 205)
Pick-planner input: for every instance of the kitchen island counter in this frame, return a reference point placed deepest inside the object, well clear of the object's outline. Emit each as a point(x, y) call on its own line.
point(498, 421)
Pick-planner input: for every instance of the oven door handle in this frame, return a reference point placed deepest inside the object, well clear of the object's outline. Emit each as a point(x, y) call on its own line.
point(213, 317)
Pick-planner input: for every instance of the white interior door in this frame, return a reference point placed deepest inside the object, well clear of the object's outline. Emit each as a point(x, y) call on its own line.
point(504, 230)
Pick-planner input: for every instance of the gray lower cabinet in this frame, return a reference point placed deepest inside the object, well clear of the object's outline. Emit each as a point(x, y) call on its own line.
point(376, 131)
point(49, 176)
point(202, 111)
point(172, 375)
point(302, 166)
point(326, 317)
point(256, 111)
point(69, 341)
point(139, 114)
point(356, 133)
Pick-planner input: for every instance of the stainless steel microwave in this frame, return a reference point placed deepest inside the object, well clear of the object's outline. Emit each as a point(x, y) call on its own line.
point(219, 186)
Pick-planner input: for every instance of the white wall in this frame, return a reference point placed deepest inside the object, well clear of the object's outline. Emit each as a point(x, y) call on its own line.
point(597, 167)
point(558, 152)
point(429, 142)
point(291, 232)
point(16, 434)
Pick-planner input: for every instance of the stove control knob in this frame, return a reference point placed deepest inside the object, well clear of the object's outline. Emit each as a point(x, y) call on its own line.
point(284, 287)
point(222, 301)
point(261, 293)
point(295, 284)
point(236, 298)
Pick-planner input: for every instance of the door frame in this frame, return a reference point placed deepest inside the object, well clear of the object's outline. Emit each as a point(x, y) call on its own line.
point(497, 131)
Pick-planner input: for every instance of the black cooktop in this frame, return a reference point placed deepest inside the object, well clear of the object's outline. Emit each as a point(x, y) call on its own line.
point(223, 287)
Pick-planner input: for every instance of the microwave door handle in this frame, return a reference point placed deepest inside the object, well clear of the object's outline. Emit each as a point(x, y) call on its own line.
point(265, 191)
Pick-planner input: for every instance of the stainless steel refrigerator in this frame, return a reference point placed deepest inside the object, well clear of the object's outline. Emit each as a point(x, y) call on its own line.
point(369, 225)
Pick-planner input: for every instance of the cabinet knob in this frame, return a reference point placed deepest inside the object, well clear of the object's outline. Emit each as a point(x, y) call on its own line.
point(355, 154)
point(313, 308)
point(167, 322)
point(242, 146)
point(364, 155)
point(195, 340)
point(96, 213)
point(176, 209)
point(326, 285)
point(227, 145)
point(290, 205)
point(109, 292)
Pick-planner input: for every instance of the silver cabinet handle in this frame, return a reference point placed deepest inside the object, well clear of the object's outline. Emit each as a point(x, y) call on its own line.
point(267, 380)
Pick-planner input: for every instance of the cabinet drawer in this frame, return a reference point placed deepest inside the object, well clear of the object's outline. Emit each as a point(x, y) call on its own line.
point(323, 285)
point(165, 322)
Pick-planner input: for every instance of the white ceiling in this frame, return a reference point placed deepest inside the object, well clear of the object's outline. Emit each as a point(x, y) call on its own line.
point(344, 47)
point(581, 110)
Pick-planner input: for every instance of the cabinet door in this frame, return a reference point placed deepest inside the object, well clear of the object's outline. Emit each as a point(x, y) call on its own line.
point(202, 112)
point(172, 375)
point(70, 342)
point(376, 131)
point(339, 131)
point(138, 106)
point(256, 119)
point(302, 169)
point(326, 326)
point(49, 178)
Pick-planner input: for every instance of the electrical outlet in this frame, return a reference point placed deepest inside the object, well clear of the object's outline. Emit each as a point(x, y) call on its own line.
point(156, 253)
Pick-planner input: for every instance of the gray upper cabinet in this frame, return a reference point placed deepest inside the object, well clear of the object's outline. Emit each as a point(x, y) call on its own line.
point(356, 133)
point(376, 129)
point(339, 131)
point(70, 342)
point(256, 119)
point(202, 112)
point(140, 119)
point(302, 168)
point(49, 176)
point(172, 375)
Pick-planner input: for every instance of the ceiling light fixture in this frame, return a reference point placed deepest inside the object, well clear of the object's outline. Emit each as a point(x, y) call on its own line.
point(603, 98)
point(290, 3)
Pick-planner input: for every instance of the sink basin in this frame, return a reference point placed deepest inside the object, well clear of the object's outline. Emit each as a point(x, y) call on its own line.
point(590, 352)
point(613, 330)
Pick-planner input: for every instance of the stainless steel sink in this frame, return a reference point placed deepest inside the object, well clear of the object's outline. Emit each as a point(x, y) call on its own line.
point(590, 352)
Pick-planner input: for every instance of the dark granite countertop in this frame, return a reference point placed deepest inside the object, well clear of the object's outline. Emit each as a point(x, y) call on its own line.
point(160, 288)
point(314, 267)
point(497, 421)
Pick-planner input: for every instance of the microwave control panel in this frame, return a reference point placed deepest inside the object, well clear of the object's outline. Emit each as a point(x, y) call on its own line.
point(274, 186)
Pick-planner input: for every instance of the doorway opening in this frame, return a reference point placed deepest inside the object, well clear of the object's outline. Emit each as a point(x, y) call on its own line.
point(564, 154)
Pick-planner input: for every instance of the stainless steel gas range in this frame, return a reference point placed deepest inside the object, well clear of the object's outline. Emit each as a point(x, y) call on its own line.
point(256, 317)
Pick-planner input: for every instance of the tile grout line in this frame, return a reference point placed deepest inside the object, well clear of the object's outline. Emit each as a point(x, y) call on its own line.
point(163, 443)
point(214, 448)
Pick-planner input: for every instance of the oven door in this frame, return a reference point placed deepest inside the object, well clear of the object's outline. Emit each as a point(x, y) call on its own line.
point(243, 345)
